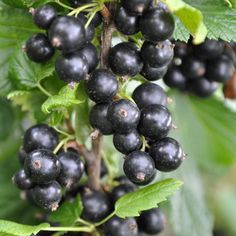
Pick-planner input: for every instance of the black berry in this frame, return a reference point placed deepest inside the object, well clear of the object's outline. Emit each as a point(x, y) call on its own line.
point(127, 24)
point(40, 137)
point(152, 73)
point(124, 115)
point(72, 67)
point(39, 49)
point(136, 7)
point(157, 54)
point(96, 205)
point(181, 49)
point(155, 122)
point(102, 86)
point(99, 120)
point(157, 25)
point(89, 30)
point(47, 196)
point(125, 60)
point(72, 169)
point(42, 166)
point(167, 154)
point(67, 33)
point(127, 143)
point(139, 167)
point(120, 227)
point(148, 94)
point(22, 181)
point(44, 16)
point(152, 221)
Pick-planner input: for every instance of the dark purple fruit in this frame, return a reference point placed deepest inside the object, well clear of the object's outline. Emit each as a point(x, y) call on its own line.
point(167, 154)
point(22, 181)
point(152, 73)
point(136, 7)
point(181, 49)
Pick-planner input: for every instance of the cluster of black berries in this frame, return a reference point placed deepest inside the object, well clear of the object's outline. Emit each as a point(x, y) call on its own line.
point(199, 69)
point(68, 34)
point(44, 174)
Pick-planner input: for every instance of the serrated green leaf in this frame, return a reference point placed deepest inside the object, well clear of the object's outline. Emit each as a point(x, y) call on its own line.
point(180, 33)
point(145, 198)
point(68, 213)
point(12, 228)
point(66, 97)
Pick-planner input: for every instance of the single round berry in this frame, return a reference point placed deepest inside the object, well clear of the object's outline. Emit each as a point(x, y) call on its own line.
point(157, 25)
point(167, 154)
point(44, 16)
point(67, 33)
point(40, 136)
point(136, 7)
point(152, 73)
point(39, 49)
point(174, 78)
point(181, 49)
point(127, 143)
point(42, 166)
point(152, 221)
point(120, 190)
point(220, 69)
point(96, 205)
point(72, 67)
point(22, 155)
point(120, 227)
point(99, 120)
point(193, 68)
point(155, 122)
point(139, 167)
point(47, 196)
point(124, 115)
point(91, 55)
point(125, 60)
point(72, 169)
point(157, 54)
point(22, 181)
point(209, 49)
point(102, 86)
point(202, 87)
point(148, 94)
point(127, 24)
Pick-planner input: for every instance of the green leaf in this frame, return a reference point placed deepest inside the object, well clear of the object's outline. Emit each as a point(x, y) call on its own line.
point(14, 229)
point(145, 198)
point(68, 213)
point(65, 99)
point(191, 18)
point(14, 3)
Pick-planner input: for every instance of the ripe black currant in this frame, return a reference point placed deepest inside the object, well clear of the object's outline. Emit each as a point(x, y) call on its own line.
point(47, 196)
point(157, 25)
point(136, 7)
point(174, 78)
point(91, 54)
point(125, 60)
point(22, 181)
point(149, 93)
point(152, 221)
point(127, 24)
point(22, 155)
point(39, 49)
point(152, 73)
point(40, 136)
point(72, 169)
point(67, 33)
point(157, 54)
point(99, 120)
point(127, 143)
point(102, 86)
point(155, 122)
point(220, 69)
point(139, 167)
point(124, 115)
point(44, 16)
point(96, 205)
point(181, 49)
point(193, 67)
point(120, 227)
point(167, 154)
point(72, 67)
point(42, 166)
